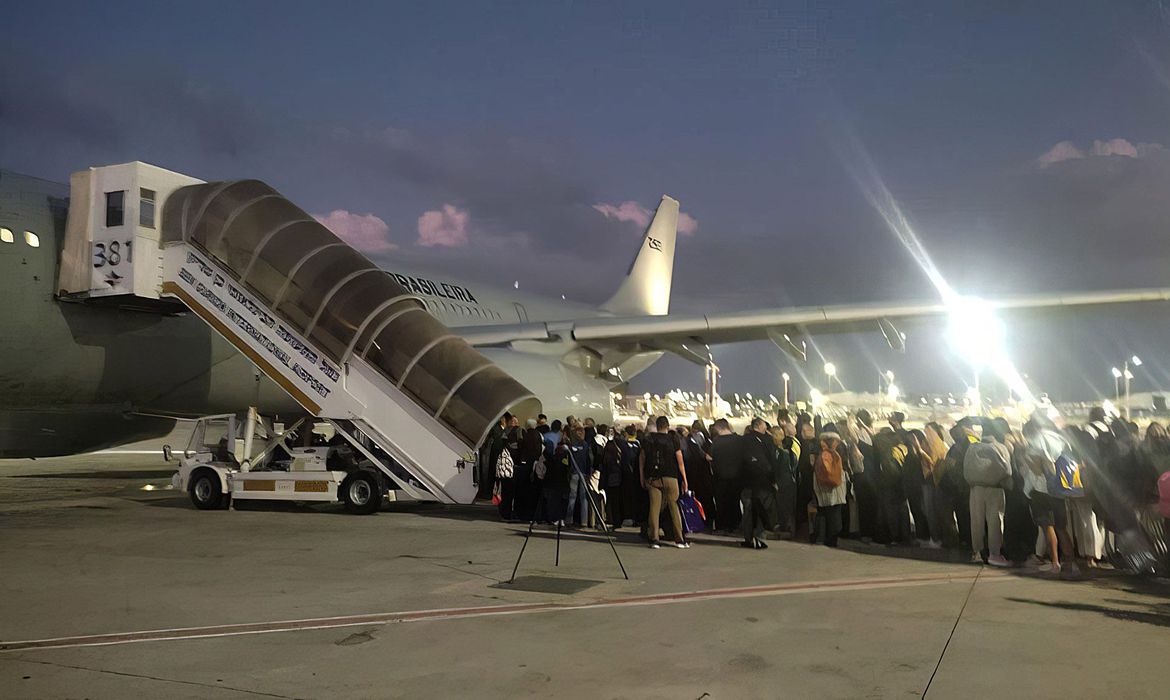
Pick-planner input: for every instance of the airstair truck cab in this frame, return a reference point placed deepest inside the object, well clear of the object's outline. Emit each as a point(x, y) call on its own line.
point(336, 332)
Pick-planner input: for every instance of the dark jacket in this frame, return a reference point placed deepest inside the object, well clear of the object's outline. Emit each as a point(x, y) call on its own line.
point(758, 466)
point(611, 465)
point(556, 476)
point(726, 455)
point(630, 449)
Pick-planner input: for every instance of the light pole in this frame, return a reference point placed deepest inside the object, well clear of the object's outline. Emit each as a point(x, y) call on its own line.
point(1117, 385)
point(786, 378)
point(1137, 362)
point(830, 373)
point(888, 376)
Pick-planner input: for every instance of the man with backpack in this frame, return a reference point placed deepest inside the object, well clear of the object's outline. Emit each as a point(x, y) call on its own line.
point(662, 471)
point(953, 496)
point(892, 449)
point(759, 493)
point(987, 469)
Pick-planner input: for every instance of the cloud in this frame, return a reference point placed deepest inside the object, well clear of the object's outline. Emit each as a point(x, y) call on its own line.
point(626, 211)
point(446, 228)
point(1115, 147)
point(633, 212)
point(1067, 150)
point(365, 232)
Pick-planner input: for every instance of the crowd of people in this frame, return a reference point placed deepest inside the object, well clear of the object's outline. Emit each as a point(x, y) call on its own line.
point(1055, 496)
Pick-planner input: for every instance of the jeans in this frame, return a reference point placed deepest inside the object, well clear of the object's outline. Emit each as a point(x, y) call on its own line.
point(664, 489)
point(578, 486)
point(987, 506)
point(829, 523)
point(897, 514)
point(727, 508)
point(757, 504)
point(868, 505)
point(523, 492)
point(507, 498)
point(929, 509)
point(555, 504)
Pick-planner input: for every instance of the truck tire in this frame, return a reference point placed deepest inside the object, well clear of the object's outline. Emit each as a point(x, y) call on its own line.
point(361, 492)
point(205, 490)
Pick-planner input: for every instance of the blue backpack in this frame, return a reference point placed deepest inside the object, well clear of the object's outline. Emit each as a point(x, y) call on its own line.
point(1066, 482)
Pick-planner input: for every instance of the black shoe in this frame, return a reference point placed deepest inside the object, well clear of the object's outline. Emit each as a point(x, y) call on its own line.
point(748, 545)
point(760, 544)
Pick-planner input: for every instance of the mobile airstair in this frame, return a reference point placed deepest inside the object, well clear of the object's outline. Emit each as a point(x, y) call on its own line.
point(337, 333)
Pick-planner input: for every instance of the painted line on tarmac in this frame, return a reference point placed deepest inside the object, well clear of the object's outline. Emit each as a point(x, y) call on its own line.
point(320, 623)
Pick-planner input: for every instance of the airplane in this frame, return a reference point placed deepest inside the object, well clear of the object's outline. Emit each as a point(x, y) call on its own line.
point(78, 377)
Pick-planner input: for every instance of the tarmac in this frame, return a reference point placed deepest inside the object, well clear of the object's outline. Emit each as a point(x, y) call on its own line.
point(114, 586)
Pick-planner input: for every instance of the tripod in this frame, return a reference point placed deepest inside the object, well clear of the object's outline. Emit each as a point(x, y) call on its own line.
point(540, 502)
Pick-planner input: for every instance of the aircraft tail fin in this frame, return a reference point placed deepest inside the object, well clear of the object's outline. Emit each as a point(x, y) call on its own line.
point(646, 288)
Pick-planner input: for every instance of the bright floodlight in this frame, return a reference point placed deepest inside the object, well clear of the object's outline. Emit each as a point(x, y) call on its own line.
point(890, 375)
point(1137, 361)
point(816, 396)
point(830, 369)
point(1116, 373)
point(893, 393)
point(1128, 375)
point(785, 376)
point(975, 333)
point(973, 396)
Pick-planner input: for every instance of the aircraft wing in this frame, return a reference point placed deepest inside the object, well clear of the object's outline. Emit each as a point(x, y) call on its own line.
point(785, 327)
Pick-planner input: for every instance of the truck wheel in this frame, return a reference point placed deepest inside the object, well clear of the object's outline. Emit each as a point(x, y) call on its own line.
point(361, 492)
point(206, 493)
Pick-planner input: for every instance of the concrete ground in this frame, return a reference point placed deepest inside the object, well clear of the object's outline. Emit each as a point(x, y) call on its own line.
point(111, 590)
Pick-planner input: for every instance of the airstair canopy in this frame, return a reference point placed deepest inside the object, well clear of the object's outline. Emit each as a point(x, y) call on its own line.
point(342, 303)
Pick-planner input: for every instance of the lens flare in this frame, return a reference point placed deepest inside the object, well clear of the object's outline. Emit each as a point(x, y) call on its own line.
point(976, 334)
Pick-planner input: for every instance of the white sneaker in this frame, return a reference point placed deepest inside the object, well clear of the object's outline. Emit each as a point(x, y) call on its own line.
point(998, 561)
point(655, 545)
point(681, 545)
point(1049, 568)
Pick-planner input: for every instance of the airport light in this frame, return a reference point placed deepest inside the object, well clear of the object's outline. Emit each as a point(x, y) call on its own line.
point(831, 374)
point(975, 398)
point(816, 397)
point(1128, 376)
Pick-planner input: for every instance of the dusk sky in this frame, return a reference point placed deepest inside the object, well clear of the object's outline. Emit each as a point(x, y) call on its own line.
point(1027, 145)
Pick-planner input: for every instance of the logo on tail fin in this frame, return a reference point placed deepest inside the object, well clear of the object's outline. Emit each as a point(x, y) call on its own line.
point(655, 244)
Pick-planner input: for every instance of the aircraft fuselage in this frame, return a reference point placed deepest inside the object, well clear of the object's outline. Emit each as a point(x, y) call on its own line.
point(82, 376)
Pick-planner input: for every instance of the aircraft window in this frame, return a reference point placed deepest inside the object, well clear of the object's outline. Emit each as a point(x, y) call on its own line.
point(115, 208)
point(6, 236)
point(146, 207)
point(32, 239)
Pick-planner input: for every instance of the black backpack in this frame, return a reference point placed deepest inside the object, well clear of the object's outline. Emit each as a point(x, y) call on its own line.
point(659, 449)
